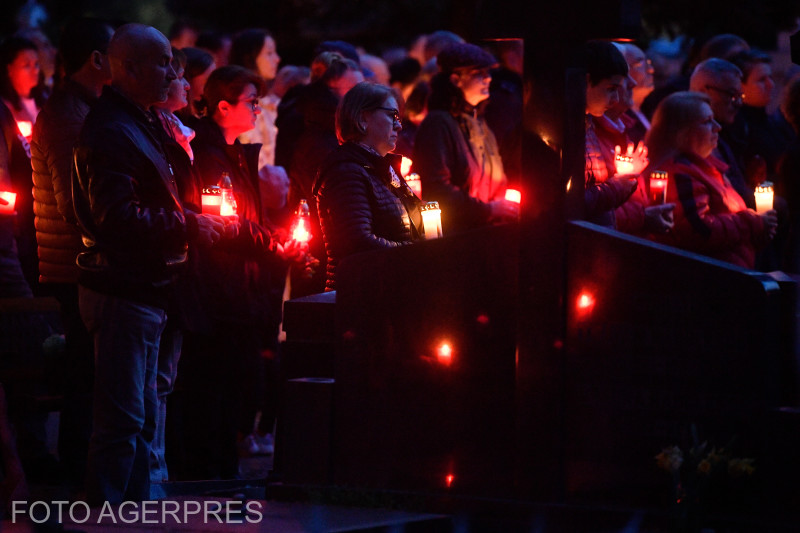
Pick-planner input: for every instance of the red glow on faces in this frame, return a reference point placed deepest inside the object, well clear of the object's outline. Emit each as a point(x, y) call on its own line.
point(585, 302)
point(444, 353)
point(448, 479)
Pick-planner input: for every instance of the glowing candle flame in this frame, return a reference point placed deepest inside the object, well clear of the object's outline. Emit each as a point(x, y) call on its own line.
point(228, 206)
point(448, 479)
point(764, 197)
point(405, 166)
point(431, 220)
point(623, 164)
point(658, 187)
point(513, 195)
point(25, 128)
point(585, 302)
point(7, 201)
point(444, 353)
point(300, 232)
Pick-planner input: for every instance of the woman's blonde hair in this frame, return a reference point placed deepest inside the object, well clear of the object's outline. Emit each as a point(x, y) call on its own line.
point(673, 114)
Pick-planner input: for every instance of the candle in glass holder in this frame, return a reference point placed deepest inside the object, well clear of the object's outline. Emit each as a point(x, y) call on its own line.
point(513, 195)
point(623, 164)
point(658, 187)
point(227, 206)
point(212, 200)
point(7, 201)
point(301, 223)
point(415, 184)
point(764, 197)
point(432, 220)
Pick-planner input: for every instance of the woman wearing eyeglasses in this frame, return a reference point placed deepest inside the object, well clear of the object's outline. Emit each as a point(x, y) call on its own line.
point(455, 152)
point(238, 284)
point(363, 202)
point(710, 216)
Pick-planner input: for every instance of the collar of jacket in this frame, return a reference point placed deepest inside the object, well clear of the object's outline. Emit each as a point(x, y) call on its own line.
point(705, 164)
point(73, 87)
point(132, 108)
point(374, 160)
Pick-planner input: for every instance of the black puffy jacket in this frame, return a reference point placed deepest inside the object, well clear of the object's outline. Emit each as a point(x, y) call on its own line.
point(54, 135)
point(359, 208)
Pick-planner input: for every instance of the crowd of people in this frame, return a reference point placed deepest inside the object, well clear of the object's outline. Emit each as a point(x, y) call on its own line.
point(112, 161)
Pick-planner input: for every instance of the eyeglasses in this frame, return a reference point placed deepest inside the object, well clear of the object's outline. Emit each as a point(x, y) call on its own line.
point(393, 113)
point(736, 98)
point(253, 102)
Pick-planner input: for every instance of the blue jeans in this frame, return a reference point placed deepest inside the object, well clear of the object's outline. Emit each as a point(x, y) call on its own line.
point(169, 354)
point(126, 339)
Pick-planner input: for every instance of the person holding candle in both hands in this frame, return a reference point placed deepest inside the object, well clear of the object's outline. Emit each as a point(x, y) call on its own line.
point(455, 152)
point(611, 176)
point(635, 216)
point(238, 284)
point(710, 216)
point(363, 202)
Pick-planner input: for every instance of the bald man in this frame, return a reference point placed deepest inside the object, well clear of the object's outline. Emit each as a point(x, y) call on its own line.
point(137, 235)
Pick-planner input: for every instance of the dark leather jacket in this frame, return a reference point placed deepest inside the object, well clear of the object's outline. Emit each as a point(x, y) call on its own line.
point(54, 135)
point(126, 202)
point(359, 209)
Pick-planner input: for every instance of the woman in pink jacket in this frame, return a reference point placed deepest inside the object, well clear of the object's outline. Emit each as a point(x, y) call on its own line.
point(710, 216)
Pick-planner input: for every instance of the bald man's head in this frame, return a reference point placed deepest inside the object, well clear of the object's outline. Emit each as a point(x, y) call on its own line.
point(140, 58)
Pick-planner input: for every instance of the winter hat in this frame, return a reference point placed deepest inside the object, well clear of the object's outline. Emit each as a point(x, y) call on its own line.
point(464, 55)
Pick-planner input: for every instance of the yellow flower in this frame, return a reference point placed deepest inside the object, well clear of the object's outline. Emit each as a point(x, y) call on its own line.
point(670, 459)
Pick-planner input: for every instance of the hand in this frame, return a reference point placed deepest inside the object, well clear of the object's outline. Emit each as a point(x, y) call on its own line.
point(626, 183)
point(770, 219)
point(504, 209)
point(232, 226)
point(292, 250)
point(211, 228)
point(638, 157)
point(659, 218)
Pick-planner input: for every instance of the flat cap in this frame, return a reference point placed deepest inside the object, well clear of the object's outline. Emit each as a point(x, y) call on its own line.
point(464, 55)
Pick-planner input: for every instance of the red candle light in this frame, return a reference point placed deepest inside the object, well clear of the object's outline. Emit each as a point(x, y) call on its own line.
point(444, 353)
point(623, 164)
point(25, 128)
point(7, 201)
point(415, 184)
point(405, 166)
point(211, 200)
point(227, 206)
point(658, 187)
point(300, 225)
point(513, 195)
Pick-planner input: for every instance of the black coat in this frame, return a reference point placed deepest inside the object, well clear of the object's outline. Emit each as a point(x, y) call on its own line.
point(126, 202)
point(359, 209)
point(239, 280)
point(54, 136)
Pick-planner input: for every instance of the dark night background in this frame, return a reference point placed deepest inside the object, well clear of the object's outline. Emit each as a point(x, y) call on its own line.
point(299, 24)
